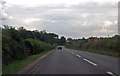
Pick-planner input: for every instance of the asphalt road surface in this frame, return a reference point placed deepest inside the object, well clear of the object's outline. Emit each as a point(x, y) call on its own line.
point(68, 61)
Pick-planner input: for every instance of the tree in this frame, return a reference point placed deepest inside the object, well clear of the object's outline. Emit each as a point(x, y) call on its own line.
point(13, 45)
point(83, 38)
point(62, 40)
point(69, 39)
point(116, 37)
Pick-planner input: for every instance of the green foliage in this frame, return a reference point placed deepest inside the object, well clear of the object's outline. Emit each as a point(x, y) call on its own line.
point(17, 65)
point(39, 46)
point(15, 42)
point(6, 53)
point(50, 38)
point(108, 45)
point(13, 47)
point(62, 40)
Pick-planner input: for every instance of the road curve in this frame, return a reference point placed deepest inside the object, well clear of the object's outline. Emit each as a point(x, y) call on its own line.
point(68, 61)
point(107, 63)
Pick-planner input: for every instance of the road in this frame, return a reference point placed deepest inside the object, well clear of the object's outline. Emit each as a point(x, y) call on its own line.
point(68, 61)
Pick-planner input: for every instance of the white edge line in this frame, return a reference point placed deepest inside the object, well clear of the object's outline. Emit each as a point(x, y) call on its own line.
point(90, 62)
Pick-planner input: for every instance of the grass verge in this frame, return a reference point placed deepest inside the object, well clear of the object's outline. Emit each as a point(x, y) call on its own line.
point(17, 65)
point(114, 54)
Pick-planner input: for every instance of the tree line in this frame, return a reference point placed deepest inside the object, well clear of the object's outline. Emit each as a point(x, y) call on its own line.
point(16, 41)
point(111, 44)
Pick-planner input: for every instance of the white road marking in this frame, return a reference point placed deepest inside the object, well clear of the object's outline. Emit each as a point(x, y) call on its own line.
point(78, 55)
point(72, 52)
point(110, 73)
point(90, 62)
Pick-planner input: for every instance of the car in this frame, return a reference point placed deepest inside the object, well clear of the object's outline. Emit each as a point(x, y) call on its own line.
point(59, 47)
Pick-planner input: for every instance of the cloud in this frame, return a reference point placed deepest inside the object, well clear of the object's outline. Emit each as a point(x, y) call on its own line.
point(108, 23)
point(29, 20)
point(80, 19)
point(5, 14)
point(46, 2)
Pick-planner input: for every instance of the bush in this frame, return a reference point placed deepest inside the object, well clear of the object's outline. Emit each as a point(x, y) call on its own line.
point(13, 46)
point(15, 42)
point(39, 46)
point(6, 53)
point(105, 44)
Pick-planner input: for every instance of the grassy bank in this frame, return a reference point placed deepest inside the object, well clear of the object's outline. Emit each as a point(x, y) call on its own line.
point(114, 54)
point(17, 65)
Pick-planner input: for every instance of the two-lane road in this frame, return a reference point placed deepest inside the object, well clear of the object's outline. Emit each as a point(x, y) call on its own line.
point(67, 61)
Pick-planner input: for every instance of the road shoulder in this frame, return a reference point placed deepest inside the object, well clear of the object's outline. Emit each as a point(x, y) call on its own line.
point(29, 68)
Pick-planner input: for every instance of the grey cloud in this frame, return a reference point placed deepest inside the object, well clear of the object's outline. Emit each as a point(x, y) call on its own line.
point(74, 21)
point(96, 5)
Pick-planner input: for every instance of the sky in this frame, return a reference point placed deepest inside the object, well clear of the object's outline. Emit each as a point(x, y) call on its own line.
point(69, 18)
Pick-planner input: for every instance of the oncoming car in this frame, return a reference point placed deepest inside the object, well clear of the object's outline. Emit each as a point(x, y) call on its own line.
point(59, 47)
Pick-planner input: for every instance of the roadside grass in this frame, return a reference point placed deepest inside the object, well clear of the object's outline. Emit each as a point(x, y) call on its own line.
point(17, 65)
point(109, 53)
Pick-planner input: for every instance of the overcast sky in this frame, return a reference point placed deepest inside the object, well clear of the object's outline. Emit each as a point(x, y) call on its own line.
point(70, 18)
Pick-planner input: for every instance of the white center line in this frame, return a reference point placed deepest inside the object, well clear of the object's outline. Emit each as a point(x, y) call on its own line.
point(72, 52)
point(90, 62)
point(110, 73)
point(78, 55)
